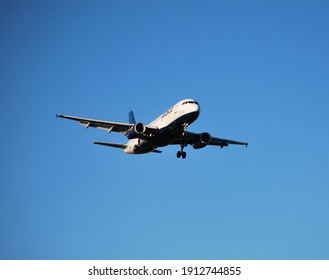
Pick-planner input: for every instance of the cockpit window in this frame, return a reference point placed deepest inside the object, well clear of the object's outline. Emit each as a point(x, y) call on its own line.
point(191, 102)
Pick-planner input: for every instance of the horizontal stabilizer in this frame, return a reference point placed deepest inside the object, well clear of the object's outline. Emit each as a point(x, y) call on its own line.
point(115, 145)
point(120, 146)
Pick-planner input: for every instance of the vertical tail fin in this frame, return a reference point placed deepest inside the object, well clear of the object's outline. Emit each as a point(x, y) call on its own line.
point(132, 118)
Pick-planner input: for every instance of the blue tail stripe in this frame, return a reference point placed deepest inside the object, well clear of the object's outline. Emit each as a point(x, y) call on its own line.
point(132, 117)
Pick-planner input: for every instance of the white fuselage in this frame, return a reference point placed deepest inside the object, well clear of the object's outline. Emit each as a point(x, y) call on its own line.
point(169, 124)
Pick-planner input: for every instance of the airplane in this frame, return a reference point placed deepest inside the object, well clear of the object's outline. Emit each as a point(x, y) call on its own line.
point(170, 128)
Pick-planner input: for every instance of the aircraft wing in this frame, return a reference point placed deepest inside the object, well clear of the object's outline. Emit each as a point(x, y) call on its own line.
point(108, 126)
point(123, 128)
point(225, 142)
point(195, 138)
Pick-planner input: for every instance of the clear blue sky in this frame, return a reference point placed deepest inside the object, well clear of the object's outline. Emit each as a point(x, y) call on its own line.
point(260, 71)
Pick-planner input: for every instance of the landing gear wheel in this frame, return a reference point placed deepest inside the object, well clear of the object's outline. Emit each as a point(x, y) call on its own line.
point(181, 154)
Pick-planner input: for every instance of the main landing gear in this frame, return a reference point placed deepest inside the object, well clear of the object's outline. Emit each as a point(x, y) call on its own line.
point(181, 153)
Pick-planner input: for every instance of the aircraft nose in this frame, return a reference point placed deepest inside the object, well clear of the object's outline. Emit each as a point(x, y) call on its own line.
point(197, 108)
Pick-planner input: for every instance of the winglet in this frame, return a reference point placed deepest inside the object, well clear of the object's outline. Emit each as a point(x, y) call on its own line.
point(247, 145)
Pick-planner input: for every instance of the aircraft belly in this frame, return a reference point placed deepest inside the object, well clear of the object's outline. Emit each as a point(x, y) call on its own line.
point(159, 141)
point(165, 137)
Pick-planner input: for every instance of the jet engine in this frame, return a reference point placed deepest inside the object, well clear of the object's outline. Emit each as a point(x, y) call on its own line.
point(139, 128)
point(136, 131)
point(204, 140)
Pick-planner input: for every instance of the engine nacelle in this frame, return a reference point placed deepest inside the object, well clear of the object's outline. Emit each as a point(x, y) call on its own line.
point(205, 139)
point(139, 128)
point(136, 131)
